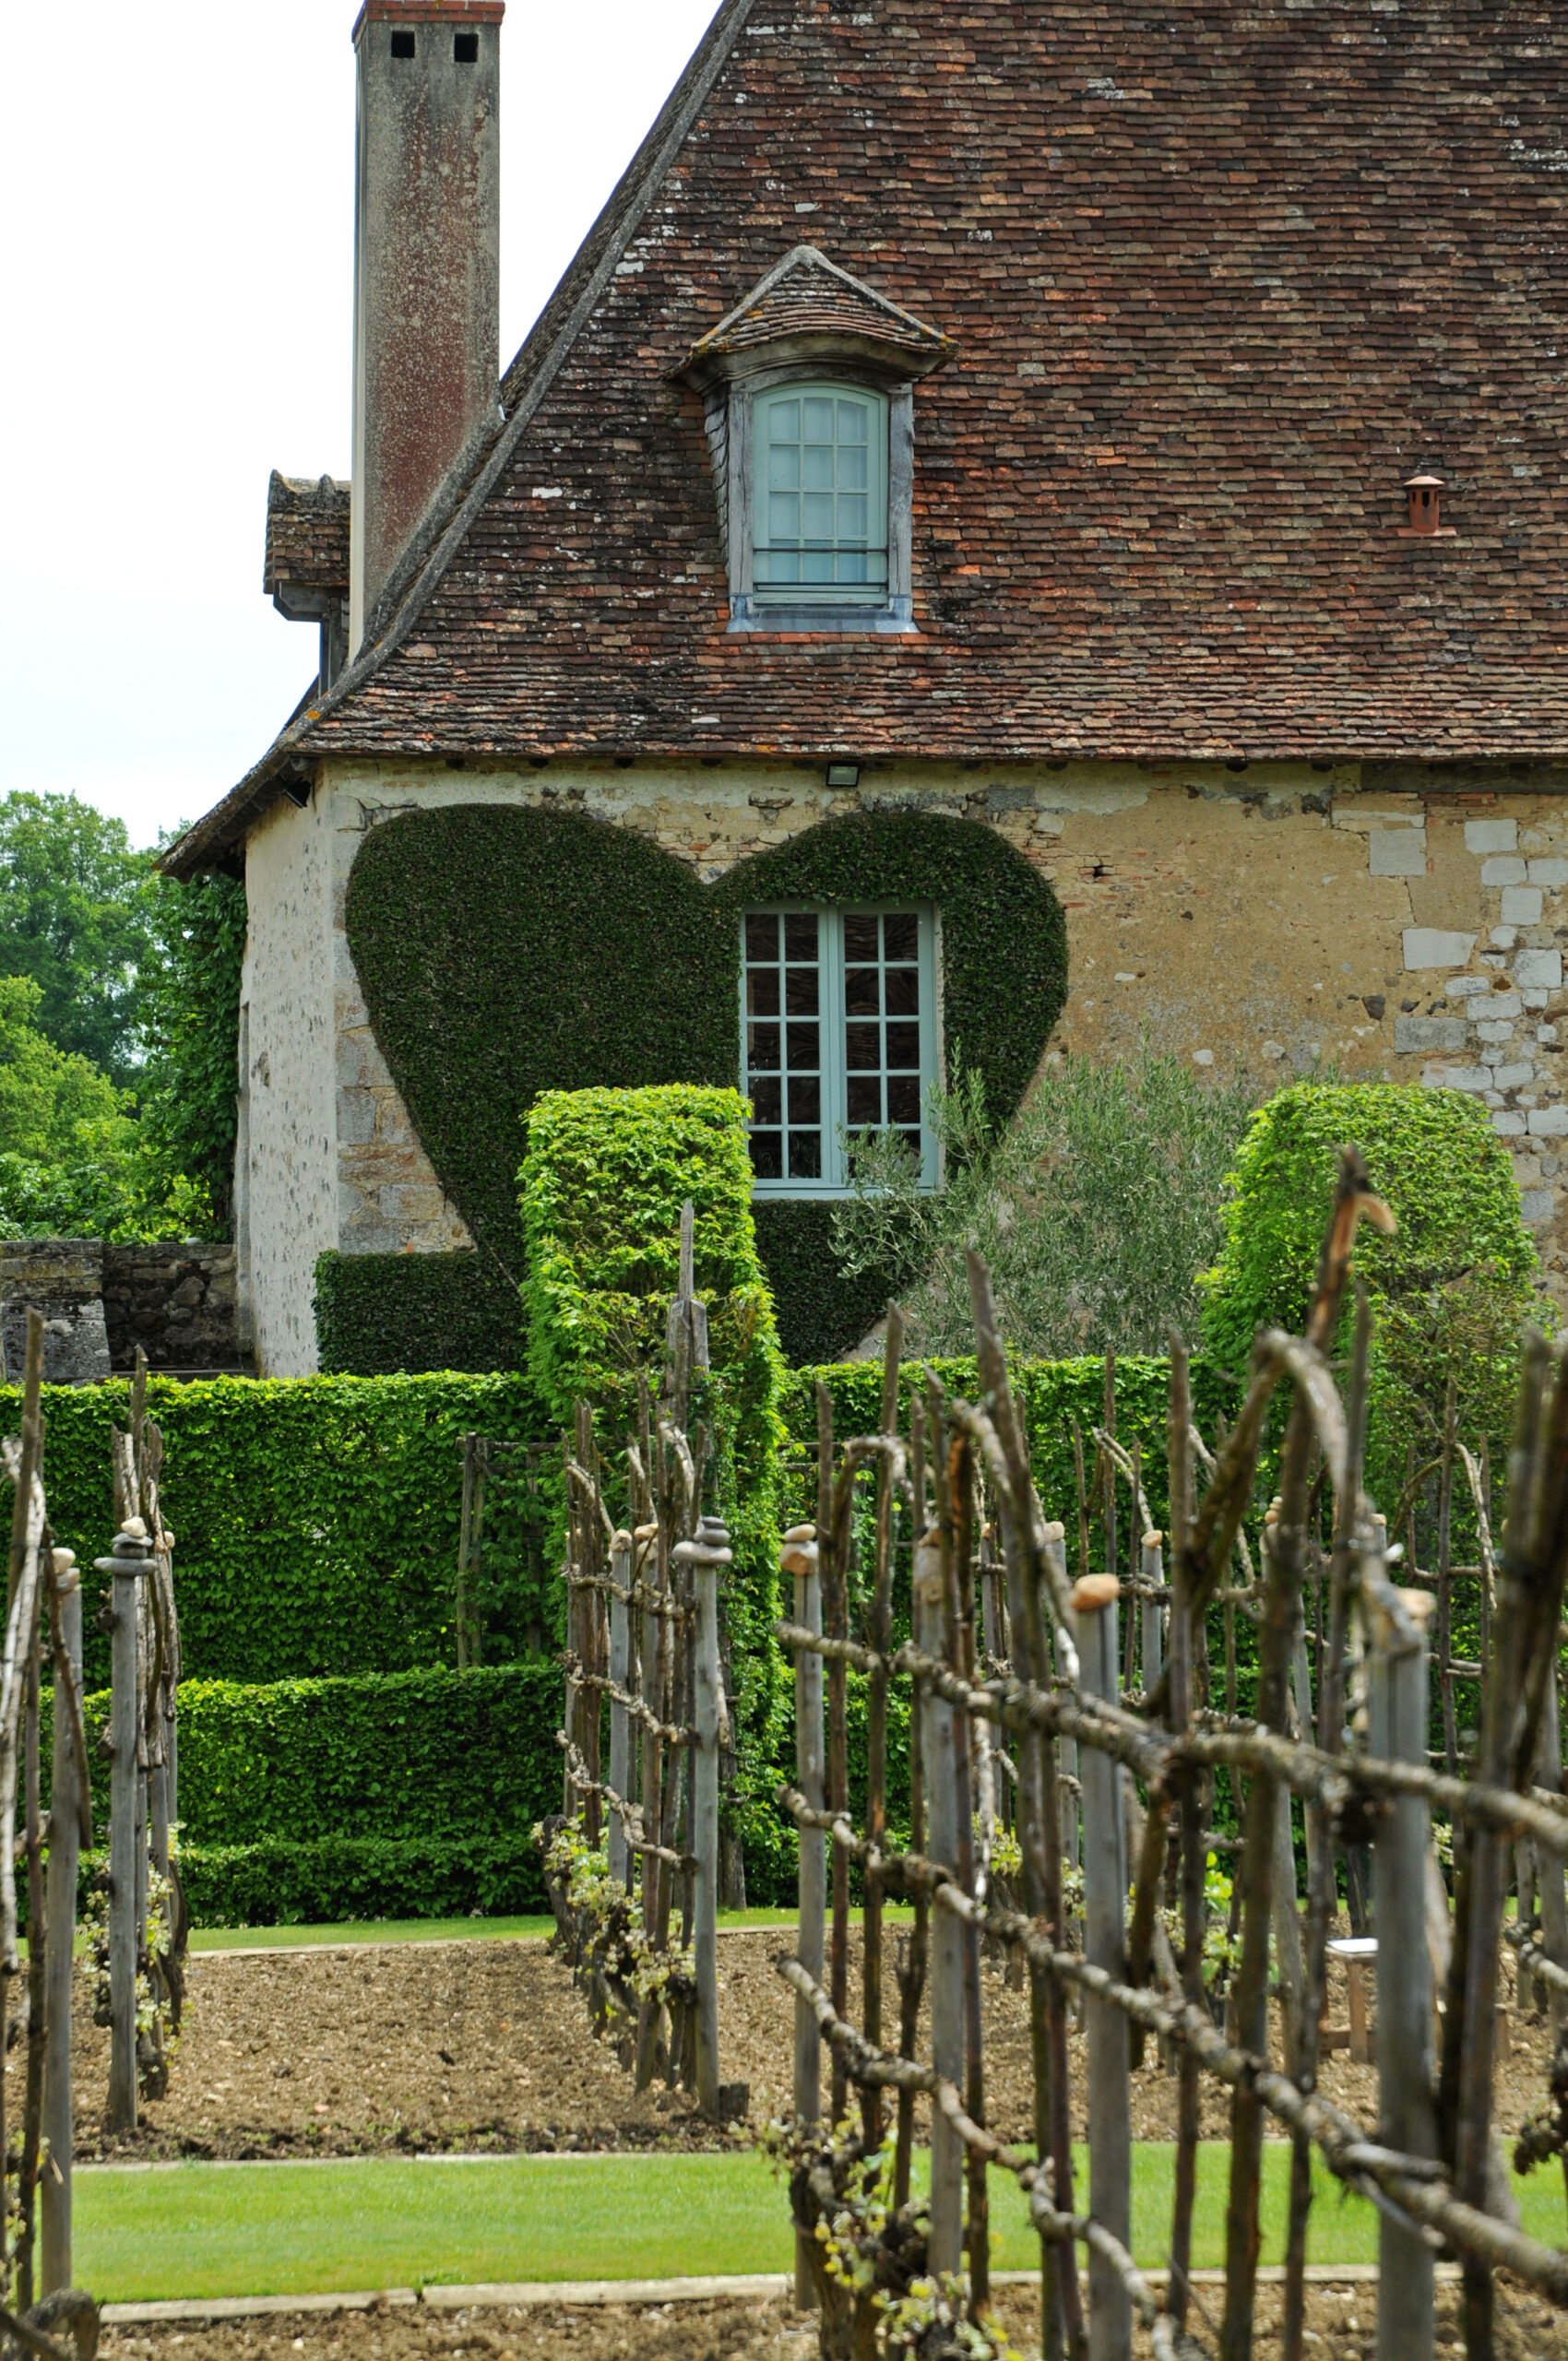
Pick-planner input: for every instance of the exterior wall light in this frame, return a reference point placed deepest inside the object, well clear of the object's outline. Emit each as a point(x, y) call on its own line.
point(1424, 497)
point(843, 773)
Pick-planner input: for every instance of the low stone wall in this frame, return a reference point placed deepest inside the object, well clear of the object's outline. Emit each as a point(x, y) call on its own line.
point(174, 1298)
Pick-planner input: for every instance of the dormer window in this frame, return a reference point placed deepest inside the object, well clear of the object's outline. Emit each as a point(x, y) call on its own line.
point(820, 510)
point(809, 385)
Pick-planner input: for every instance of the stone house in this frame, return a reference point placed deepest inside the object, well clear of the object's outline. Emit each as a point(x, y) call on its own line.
point(1137, 434)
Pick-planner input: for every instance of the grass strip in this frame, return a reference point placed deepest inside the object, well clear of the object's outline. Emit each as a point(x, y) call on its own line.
point(197, 2230)
point(445, 1931)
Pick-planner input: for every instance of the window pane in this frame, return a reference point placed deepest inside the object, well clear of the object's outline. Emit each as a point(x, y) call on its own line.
point(911, 1140)
point(805, 1156)
point(784, 517)
point(852, 513)
point(901, 934)
point(767, 1100)
point(762, 935)
point(786, 421)
point(859, 935)
point(762, 992)
point(817, 515)
point(805, 1098)
point(801, 997)
point(819, 466)
point(800, 935)
point(818, 421)
point(819, 565)
point(853, 417)
point(853, 567)
point(761, 1049)
point(904, 1046)
point(901, 989)
point(903, 1098)
point(864, 1101)
point(863, 1048)
point(767, 1154)
point(784, 468)
point(803, 1046)
point(861, 991)
point(852, 460)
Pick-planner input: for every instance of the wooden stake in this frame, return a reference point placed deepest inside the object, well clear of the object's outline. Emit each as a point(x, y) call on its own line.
point(945, 2250)
point(60, 1904)
point(620, 1726)
point(880, 1637)
point(705, 1556)
point(798, 1560)
point(126, 1568)
point(1105, 1902)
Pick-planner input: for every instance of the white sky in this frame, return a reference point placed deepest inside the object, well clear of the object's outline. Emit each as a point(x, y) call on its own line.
point(180, 190)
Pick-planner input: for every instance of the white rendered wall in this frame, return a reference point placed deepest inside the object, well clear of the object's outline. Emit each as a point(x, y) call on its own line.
point(290, 1137)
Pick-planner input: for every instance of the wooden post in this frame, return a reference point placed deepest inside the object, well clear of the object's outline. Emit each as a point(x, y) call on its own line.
point(1105, 1904)
point(126, 1567)
point(60, 1919)
point(1397, 1703)
point(1151, 1615)
point(946, 2252)
point(705, 1556)
point(1286, 1923)
point(1554, 1900)
point(620, 1727)
point(798, 1559)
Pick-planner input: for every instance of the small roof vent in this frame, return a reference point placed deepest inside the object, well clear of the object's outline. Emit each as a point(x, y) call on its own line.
point(1424, 498)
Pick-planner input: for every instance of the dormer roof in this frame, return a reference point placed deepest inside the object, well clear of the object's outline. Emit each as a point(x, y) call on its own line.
point(808, 308)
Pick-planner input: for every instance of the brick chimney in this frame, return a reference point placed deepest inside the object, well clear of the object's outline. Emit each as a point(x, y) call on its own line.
point(427, 207)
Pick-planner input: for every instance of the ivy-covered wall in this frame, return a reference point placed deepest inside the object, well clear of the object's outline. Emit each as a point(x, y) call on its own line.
point(505, 951)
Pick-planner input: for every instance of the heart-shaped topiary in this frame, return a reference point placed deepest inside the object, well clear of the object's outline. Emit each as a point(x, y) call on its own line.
point(503, 951)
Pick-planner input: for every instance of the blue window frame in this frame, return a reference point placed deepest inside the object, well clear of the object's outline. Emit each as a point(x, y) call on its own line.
point(820, 501)
point(838, 1035)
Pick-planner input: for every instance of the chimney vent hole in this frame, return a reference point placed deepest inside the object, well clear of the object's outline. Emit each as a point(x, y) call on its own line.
point(464, 48)
point(402, 44)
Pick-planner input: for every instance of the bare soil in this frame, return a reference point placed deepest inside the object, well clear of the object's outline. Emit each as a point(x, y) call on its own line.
point(487, 2044)
point(1341, 2327)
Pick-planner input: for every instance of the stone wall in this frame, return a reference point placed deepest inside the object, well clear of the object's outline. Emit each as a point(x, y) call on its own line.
point(176, 1300)
point(1263, 918)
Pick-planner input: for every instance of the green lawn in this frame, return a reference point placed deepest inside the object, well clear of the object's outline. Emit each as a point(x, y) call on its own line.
point(200, 2230)
point(444, 1930)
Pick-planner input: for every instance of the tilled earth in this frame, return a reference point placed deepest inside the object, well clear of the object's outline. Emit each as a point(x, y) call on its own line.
point(1341, 2324)
point(487, 2044)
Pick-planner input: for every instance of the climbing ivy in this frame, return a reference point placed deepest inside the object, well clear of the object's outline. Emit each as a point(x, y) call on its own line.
point(506, 951)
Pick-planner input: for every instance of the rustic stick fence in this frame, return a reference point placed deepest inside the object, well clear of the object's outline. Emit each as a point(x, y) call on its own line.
point(644, 1639)
point(1054, 1672)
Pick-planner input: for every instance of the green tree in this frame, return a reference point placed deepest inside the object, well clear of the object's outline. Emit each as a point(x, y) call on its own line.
point(1094, 1208)
point(190, 1016)
point(75, 918)
point(49, 1097)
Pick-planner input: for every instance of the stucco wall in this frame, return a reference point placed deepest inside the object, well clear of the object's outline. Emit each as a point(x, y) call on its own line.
point(289, 1136)
point(1265, 919)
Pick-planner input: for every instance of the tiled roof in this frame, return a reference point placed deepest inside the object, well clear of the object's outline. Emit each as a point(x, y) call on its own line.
point(307, 534)
point(807, 295)
point(1221, 274)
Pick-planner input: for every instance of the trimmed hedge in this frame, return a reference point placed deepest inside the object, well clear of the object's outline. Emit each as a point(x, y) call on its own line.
point(603, 1183)
point(385, 1315)
point(1452, 1289)
point(406, 1794)
point(505, 952)
point(315, 1518)
point(338, 1878)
